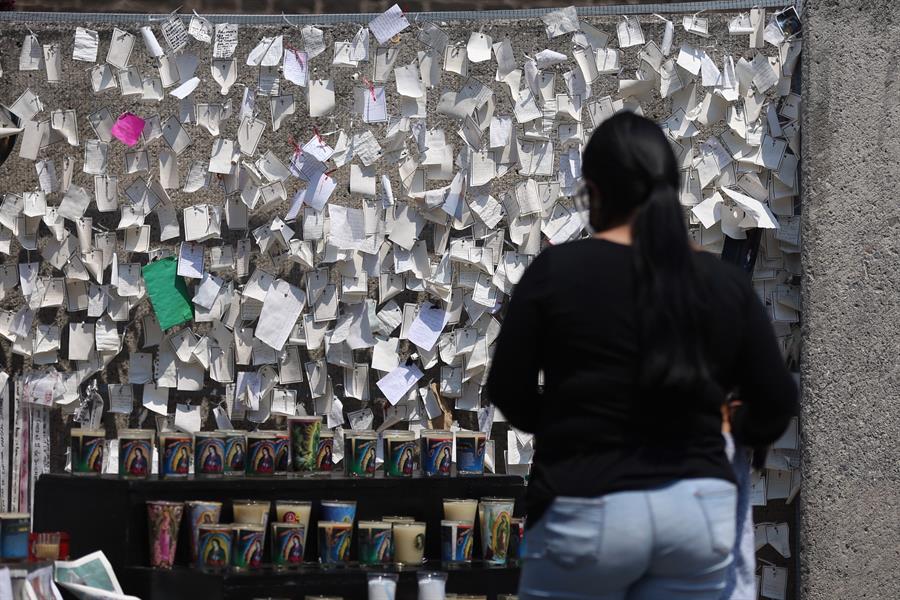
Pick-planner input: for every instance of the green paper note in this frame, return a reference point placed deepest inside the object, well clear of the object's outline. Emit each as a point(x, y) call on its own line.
point(168, 292)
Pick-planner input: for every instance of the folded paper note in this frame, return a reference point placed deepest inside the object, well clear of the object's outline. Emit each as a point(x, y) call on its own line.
point(168, 292)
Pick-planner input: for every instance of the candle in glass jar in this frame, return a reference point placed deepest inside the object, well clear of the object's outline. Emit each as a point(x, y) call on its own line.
point(135, 453)
point(460, 509)
point(86, 451)
point(432, 586)
point(294, 511)
point(251, 511)
point(209, 453)
point(470, 448)
point(374, 542)
point(399, 453)
point(409, 542)
point(175, 451)
point(437, 453)
point(235, 452)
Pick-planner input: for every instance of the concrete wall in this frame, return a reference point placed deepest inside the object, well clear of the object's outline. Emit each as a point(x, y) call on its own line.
point(850, 511)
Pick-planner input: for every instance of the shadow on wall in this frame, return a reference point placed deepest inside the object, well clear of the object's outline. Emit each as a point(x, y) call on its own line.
point(291, 6)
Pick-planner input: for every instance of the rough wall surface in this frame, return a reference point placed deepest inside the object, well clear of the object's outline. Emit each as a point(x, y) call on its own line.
point(850, 512)
point(298, 6)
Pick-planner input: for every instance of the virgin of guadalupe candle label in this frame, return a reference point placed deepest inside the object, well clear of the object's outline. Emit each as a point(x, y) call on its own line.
point(175, 456)
point(87, 453)
point(248, 547)
point(163, 519)
point(281, 452)
point(214, 546)
point(375, 544)
point(287, 544)
point(457, 541)
point(235, 453)
point(324, 453)
point(334, 542)
point(134, 457)
point(209, 454)
point(201, 513)
point(400, 457)
point(261, 453)
point(360, 456)
point(496, 529)
point(437, 455)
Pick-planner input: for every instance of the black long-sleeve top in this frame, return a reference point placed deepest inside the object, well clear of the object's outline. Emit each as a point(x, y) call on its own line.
point(573, 316)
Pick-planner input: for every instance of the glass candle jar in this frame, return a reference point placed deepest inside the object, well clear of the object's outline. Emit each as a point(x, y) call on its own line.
point(175, 451)
point(303, 433)
point(457, 541)
point(287, 544)
point(359, 453)
point(437, 453)
point(374, 542)
point(201, 512)
point(470, 448)
point(214, 541)
point(235, 453)
point(282, 441)
point(87, 447)
point(343, 511)
point(261, 453)
point(135, 453)
point(247, 551)
point(209, 454)
point(460, 509)
point(325, 452)
point(164, 522)
point(334, 542)
point(495, 519)
point(251, 511)
point(409, 542)
point(294, 511)
point(399, 453)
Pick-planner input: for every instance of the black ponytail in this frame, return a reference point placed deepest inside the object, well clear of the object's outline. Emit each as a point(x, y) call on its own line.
point(668, 295)
point(631, 163)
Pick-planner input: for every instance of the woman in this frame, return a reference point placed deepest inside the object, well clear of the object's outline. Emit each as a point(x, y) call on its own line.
point(639, 338)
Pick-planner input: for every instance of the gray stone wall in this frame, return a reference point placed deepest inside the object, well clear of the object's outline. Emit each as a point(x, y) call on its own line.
point(850, 507)
point(300, 6)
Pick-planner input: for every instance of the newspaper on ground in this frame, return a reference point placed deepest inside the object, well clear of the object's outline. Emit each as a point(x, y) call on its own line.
point(90, 577)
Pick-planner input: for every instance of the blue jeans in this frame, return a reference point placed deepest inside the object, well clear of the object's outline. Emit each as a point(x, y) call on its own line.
point(670, 543)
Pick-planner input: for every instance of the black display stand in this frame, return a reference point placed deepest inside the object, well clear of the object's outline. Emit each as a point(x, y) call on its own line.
point(349, 582)
point(107, 513)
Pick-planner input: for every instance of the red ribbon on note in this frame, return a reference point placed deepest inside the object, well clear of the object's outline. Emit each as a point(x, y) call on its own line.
point(371, 88)
point(296, 54)
point(297, 149)
point(318, 135)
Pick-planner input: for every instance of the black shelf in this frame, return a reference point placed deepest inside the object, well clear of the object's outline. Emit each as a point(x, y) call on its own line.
point(108, 513)
point(347, 582)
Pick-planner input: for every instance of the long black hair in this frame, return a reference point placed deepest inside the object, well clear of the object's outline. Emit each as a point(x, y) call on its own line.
point(632, 168)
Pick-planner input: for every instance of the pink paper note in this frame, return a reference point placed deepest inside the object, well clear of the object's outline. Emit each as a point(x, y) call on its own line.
point(128, 128)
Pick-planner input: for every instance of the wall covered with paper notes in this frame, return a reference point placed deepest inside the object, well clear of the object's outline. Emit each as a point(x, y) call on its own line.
point(221, 225)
